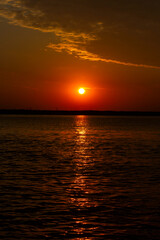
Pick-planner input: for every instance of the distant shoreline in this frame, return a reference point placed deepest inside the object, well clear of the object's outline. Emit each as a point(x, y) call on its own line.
point(80, 112)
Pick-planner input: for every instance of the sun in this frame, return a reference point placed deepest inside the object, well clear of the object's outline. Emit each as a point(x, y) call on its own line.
point(81, 90)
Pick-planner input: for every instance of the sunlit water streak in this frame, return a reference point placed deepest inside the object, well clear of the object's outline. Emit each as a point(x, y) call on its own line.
point(80, 177)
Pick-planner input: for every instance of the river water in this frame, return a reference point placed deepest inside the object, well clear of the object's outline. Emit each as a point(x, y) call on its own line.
point(79, 177)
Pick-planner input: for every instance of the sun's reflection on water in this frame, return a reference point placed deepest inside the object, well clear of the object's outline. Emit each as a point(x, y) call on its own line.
point(81, 188)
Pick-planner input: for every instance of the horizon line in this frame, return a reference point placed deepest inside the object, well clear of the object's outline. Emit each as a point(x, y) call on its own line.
point(76, 112)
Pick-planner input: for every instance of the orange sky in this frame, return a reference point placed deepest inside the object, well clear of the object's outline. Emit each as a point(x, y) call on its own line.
point(49, 49)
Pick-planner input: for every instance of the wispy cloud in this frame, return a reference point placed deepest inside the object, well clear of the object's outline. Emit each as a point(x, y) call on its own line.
point(78, 23)
point(73, 49)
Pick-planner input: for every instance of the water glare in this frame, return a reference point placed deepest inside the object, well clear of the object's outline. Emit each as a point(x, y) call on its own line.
point(81, 188)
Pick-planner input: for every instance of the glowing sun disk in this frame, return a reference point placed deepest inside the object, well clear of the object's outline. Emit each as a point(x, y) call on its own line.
point(81, 90)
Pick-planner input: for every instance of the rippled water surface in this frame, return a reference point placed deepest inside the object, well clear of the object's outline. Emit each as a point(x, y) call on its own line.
point(79, 177)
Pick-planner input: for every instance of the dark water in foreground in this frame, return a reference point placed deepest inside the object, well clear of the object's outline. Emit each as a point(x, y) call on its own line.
point(79, 177)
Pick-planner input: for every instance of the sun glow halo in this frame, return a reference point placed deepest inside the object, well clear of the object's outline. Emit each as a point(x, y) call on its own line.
point(81, 90)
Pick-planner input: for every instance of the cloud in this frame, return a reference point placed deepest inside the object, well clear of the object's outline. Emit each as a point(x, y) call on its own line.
point(83, 54)
point(93, 30)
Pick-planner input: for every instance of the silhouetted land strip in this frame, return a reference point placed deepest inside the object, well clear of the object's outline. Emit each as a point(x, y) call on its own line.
point(82, 112)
